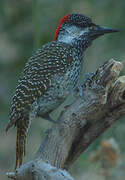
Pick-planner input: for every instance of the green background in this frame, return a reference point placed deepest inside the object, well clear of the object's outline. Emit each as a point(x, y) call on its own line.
point(25, 26)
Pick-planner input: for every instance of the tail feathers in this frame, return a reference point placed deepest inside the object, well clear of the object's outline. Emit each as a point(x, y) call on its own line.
point(22, 129)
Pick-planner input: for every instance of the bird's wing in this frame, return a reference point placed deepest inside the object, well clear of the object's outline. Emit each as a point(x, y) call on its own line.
point(52, 58)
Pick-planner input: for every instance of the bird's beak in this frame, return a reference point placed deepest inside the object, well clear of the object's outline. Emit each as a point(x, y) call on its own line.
point(100, 30)
point(103, 30)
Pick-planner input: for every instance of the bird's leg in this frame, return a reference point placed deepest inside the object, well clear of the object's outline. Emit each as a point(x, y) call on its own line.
point(47, 117)
point(88, 78)
point(78, 91)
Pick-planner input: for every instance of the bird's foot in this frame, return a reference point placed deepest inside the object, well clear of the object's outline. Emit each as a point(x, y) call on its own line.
point(88, 78)
point(78, 91)
point(47, 117)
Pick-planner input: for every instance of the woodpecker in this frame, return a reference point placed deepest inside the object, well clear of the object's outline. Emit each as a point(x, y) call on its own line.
point(51, 74)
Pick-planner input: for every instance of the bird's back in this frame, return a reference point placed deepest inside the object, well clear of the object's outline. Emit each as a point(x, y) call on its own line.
point(54, 65)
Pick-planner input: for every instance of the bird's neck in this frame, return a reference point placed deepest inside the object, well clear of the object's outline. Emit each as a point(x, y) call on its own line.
point(80, 42)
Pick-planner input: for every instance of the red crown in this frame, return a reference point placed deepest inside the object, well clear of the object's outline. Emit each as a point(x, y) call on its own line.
point(64, 19)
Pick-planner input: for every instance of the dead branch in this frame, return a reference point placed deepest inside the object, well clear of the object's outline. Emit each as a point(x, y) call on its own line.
point(101, 103)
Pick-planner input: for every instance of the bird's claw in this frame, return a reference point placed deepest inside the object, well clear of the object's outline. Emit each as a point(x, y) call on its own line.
point(47, 117)
point(78, 91)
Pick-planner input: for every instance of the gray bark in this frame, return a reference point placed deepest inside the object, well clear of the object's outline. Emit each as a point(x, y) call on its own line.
point(100, 102)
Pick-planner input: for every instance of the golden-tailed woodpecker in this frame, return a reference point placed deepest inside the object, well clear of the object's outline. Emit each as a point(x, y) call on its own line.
point(51, 74)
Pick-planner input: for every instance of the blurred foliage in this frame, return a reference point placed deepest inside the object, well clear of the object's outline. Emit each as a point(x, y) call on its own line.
point(28, 24)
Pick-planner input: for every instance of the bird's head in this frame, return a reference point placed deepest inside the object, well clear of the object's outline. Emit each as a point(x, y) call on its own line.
point(75, 26)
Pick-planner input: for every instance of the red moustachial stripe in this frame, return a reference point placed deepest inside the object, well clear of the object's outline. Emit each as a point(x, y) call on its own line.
point(64, 19)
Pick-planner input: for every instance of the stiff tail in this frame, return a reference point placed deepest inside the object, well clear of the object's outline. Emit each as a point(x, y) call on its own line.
point(22, 128)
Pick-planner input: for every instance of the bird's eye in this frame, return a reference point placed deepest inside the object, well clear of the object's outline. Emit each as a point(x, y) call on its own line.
point(92, 28)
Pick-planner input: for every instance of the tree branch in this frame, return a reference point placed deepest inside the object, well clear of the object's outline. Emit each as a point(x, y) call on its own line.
point(101, 103)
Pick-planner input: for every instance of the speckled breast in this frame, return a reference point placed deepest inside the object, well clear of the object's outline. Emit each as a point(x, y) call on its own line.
point(61, 87)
